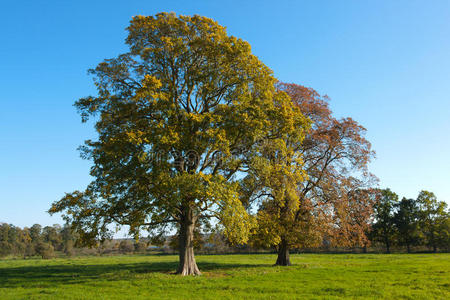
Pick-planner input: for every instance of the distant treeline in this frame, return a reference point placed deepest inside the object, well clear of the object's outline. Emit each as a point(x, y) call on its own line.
point(35, 241)
point(408, 223)
point(52, 241)
point(421, 224)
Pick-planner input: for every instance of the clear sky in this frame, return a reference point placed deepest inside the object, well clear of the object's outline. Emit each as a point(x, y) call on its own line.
point(384, 63)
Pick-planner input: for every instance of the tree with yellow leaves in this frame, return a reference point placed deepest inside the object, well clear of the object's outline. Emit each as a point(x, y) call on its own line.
point(179, 117)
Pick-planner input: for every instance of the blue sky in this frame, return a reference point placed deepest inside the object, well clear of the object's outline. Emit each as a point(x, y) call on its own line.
point(384, 63)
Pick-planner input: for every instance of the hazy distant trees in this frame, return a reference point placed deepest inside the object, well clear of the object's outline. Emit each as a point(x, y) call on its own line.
point(50, 241)
point(35, 241)
point(24, 242)
point(126, 246)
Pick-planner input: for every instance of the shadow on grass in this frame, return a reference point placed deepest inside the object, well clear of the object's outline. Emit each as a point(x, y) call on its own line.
point(55, 275)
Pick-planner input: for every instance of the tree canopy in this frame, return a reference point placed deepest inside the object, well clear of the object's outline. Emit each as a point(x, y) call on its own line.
point(178, 117)
point(195, 131)
point(384, 210)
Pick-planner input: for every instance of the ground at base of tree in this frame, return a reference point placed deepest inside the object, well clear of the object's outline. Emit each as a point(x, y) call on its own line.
point(312, 276)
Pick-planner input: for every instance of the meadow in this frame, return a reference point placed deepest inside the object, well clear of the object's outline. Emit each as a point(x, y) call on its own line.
point(313, 276)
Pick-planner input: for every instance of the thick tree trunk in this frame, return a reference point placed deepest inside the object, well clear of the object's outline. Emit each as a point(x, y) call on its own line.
point(434, 249)
point(283, 254)
point(408, 248)
point(187, 264)
point(388, 246)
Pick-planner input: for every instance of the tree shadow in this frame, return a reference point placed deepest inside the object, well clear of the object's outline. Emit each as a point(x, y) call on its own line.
point(55, 275)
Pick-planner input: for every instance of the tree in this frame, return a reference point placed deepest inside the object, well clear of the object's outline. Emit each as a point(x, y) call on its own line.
point(35, 233)
point(25, 240)
point(384, 227)
point(406, 221)
point(51, 234)
point(45, 250)
point(177, 117)
point(352, 214)
point(5, 246)
point(443, 238)
point(126, 246)
point(197, 239)
point(432, 216)
point(68, 240)
point(140, 246)
point(276, 172)
point(321, 206)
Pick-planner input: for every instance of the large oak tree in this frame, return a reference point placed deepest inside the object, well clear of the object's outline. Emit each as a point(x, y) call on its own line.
point(178, 118)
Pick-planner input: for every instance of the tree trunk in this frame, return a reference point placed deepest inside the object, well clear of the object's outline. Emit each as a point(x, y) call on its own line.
point(283, 254)
point(388, 246)
point(408, 248)
point(187, 264)
point(433, 242)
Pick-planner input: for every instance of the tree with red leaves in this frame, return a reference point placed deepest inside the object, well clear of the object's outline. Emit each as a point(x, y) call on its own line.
point(334, 202)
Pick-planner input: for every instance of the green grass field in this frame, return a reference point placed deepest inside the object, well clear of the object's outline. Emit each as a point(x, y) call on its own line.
point(313, 276)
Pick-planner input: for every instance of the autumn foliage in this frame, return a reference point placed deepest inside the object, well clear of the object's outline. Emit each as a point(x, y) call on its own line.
point(193, 127)
point(333, 202)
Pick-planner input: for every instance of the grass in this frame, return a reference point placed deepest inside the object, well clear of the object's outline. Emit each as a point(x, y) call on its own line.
point(313, 276)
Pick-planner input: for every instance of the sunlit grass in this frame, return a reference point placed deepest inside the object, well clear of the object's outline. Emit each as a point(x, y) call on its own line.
point(315, 276)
